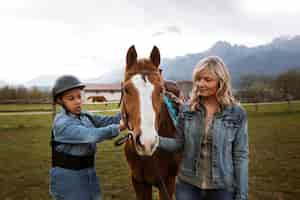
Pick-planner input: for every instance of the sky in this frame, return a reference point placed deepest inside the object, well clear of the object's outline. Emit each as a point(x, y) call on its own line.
point(90, 38)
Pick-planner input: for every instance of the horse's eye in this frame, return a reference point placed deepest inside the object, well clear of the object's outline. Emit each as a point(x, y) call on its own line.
point(161, 92)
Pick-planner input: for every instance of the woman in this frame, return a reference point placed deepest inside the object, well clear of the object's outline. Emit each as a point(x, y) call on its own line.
point(212, 132)
point(74, 137)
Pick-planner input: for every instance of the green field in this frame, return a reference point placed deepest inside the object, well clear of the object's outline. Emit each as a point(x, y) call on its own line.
point(48, 107)
point(274, 157)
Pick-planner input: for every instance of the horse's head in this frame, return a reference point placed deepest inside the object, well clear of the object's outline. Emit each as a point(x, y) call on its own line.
point(142, 99)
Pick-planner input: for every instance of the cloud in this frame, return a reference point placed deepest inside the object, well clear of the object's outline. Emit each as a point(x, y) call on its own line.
point(173, 29)
point(159, 33)
point(168, 29)
point(92, 37)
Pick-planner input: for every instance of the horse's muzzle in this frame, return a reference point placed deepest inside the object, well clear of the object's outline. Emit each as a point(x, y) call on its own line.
point(145, 147)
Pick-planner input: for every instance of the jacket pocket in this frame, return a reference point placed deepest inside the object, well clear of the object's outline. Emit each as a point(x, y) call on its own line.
point(231, 125)
point(231, 122)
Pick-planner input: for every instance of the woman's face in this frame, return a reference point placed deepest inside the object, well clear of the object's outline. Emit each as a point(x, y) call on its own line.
point(72, 101)
point(207, 82)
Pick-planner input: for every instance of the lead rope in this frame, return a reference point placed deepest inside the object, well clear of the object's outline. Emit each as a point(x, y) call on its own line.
point(124, 117)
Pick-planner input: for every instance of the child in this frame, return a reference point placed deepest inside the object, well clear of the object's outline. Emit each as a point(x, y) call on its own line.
point(74, 137)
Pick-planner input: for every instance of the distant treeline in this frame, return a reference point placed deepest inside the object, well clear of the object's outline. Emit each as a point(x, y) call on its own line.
point(252, 88)
point(260, 88)
point(21, 94)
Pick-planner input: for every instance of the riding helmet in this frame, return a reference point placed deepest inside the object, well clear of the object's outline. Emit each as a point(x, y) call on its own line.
point(65, 83)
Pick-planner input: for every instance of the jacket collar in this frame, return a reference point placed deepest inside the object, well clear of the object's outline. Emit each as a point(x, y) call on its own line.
point(64, 111)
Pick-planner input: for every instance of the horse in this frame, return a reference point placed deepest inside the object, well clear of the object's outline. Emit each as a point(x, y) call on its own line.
point(147, 117)
point(97, 99)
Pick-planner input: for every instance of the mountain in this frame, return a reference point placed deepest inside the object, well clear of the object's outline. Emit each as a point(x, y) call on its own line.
point(114, 76)
point(278, 56)
point(43, 81)
point(273, 58)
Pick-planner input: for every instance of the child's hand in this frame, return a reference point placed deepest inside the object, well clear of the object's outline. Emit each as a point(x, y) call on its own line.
point(122, 125)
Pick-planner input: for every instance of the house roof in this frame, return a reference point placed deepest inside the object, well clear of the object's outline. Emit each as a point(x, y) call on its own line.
point(103, 87)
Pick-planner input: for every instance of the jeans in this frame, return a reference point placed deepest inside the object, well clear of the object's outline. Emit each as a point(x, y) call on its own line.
point(186, 191)
point(68, 184)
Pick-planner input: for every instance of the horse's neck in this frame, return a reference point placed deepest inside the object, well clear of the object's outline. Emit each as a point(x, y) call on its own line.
point(166, 127)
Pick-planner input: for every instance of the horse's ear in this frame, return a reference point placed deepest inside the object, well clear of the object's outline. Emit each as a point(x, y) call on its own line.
point(155, 56)
point(131, 57)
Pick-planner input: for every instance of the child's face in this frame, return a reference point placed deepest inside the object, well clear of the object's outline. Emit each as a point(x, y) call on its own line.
point(72, 101)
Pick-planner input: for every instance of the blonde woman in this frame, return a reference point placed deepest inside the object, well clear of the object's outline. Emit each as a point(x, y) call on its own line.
point(212, 133)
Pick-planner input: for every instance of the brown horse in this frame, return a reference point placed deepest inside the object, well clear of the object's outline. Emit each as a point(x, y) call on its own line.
point(147, 117)
point(97, 98)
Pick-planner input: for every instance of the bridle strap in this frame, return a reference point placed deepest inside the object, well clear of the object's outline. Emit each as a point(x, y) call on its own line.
point(124, 117)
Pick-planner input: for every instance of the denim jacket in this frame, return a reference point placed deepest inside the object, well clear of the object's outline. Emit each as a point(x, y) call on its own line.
point(229, 152)
point(81, 134)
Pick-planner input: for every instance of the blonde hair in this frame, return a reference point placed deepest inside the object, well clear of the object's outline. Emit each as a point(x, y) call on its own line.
point(216, 66)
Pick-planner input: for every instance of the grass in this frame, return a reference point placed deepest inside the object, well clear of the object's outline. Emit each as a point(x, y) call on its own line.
point(25, 158)
point(274, 157)
point(48, 107)
point(273, 108)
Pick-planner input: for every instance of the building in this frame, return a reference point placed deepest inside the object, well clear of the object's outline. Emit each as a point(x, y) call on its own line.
point(112, 92)
point(102, 92)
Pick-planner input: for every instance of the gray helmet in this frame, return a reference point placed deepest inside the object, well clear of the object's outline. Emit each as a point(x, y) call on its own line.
point(65, 83)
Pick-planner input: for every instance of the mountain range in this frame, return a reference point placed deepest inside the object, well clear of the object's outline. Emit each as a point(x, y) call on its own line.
point(278, 56)
point(270, 59)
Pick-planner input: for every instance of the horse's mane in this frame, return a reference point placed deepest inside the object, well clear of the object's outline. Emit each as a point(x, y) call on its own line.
point(165, 121)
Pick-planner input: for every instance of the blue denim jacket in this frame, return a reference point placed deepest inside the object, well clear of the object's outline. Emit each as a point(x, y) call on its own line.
point(229, 152)
point(80, 136)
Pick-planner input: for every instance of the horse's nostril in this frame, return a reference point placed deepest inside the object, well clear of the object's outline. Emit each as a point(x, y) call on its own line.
point(152, 146)
point(138, 141)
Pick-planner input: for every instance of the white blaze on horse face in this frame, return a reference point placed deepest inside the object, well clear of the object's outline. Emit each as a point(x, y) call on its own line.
point(149, 134)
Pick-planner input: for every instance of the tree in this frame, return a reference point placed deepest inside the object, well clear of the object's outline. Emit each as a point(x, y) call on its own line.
point(289, 84)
